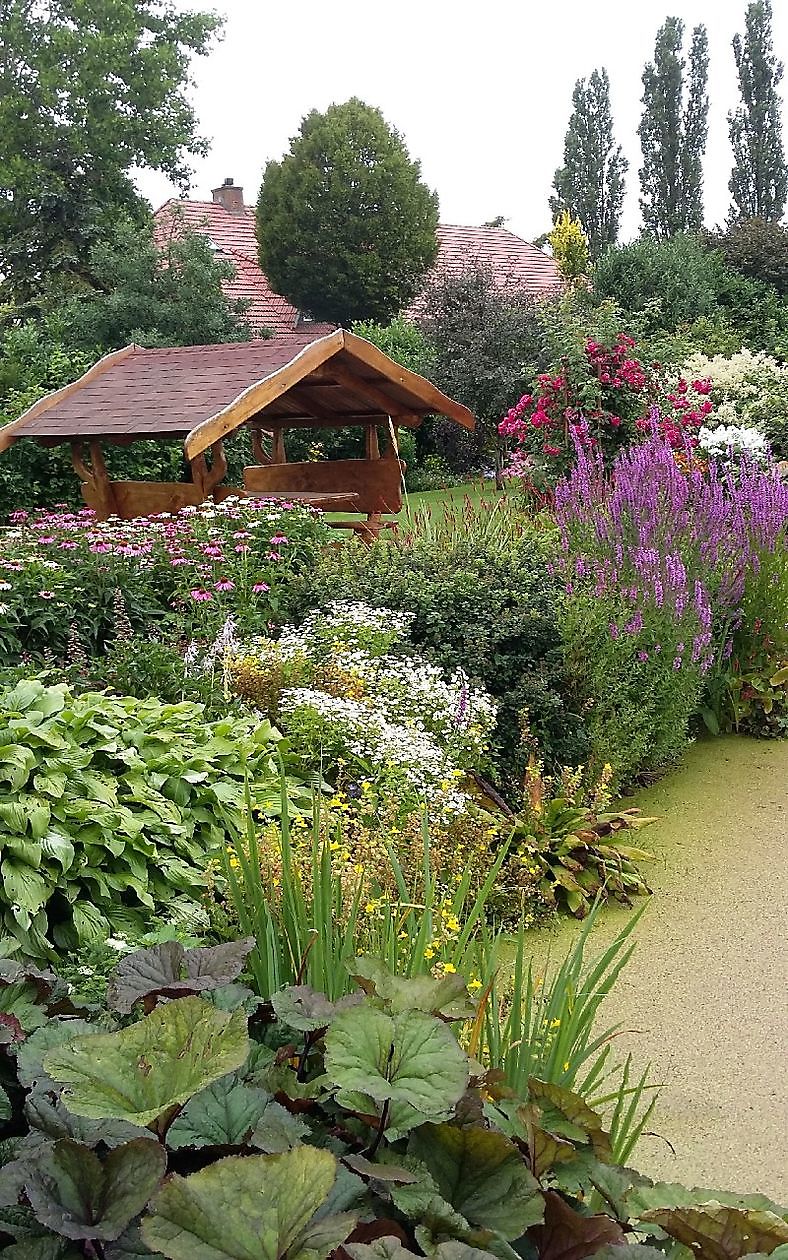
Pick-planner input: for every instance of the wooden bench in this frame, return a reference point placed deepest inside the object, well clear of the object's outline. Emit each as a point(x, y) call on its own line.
point(376, 485)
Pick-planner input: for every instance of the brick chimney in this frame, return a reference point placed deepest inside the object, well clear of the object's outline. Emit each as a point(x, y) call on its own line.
point(230, 195)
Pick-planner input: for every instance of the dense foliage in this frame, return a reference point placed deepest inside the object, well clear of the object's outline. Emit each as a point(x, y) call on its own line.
point(195, 1132)
point(480, 603)
point(111, 809)
point(484, 338)
point(346, 228)
point(71, 134)
point(673, 131)
point(759, 180)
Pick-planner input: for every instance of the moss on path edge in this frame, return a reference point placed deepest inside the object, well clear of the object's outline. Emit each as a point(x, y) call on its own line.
point(707, 988)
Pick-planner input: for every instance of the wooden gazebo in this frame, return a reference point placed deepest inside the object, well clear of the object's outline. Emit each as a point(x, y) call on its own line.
point(202, 394)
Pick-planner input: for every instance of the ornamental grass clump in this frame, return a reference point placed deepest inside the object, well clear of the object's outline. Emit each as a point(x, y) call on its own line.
point(654, 557)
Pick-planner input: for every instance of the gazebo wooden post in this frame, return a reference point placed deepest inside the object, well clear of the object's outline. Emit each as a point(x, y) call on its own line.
point(207, 479)
point(372, 445)
point(259, 452)
point(95, 477)
point(278, 453)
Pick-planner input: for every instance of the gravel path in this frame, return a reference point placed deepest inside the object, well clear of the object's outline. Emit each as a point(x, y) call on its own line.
point(707, 987)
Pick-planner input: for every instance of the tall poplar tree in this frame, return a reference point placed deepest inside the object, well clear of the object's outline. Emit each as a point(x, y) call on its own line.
point(590, 184)
point(759, 179)
point(673, 131)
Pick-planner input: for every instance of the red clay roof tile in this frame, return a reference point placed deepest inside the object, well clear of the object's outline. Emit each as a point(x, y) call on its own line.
point(513, 260)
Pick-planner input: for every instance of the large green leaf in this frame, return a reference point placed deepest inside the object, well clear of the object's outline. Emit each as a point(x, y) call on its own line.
point(481, 1174)
point(30, 1054)
point(390, 1248)
point(229, 1113)
point(258, 1207)
point(49, 1248)
point(715, 1231)
point(170, 970)
point(446, 996)
point(50, 1120)
point(141, 1071)
point(307, 1010)
point(408, 1057)
point(72, 1192)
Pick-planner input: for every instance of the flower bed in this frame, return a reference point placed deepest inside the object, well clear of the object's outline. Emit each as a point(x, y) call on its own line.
point(62, 569)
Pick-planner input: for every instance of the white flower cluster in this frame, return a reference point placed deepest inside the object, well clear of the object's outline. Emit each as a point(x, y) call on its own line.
point(731, 441)
point(406, 719)
point(749, 390)
point(387, 748)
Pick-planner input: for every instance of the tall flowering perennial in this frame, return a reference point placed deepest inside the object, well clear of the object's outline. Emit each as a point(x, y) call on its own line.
point(656, 535)
point(199, 565)
point(654, 557)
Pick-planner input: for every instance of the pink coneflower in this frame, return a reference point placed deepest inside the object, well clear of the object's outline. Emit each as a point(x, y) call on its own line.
point(278, 540)
point(200, 595)
point(260, 588)
point(67, 546)
point(242, 533)
point(18, 517)
point(176, 560)
point(273, 555)
point(242, 547)
point(47, 594)
point(98, 548)
point(224, 584)
point(47, 538)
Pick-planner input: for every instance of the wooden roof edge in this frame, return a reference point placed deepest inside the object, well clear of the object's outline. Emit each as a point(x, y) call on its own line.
point(433, 398)
point(9, 432)
point(260, 393)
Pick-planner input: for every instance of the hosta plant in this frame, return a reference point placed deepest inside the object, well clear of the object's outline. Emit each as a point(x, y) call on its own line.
point(198, 1131)
point(112, 808)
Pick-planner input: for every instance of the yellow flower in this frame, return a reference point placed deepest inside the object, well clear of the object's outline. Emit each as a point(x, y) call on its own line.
point(449, 969)
point(474, 985)
point(555, 1023)
point(452, 924)
point(429, 952)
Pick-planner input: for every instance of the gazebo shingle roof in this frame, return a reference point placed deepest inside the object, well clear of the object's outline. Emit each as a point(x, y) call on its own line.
point(200, 393)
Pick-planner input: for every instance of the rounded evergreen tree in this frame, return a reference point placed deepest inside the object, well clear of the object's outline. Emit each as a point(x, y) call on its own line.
point(346, 228)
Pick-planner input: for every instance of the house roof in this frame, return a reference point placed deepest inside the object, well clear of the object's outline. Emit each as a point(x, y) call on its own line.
point(514, 262)
point(233, 235)
point(202, 393)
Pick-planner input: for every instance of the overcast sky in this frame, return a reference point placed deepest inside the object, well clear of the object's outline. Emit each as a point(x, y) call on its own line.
point(480, 91)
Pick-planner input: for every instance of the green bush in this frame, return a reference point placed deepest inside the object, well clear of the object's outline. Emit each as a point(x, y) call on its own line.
point(112, 809)
point(671, 282)
point(482, 603)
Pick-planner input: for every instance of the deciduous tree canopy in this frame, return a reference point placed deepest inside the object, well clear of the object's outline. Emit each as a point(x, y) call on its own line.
point(89, 89)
